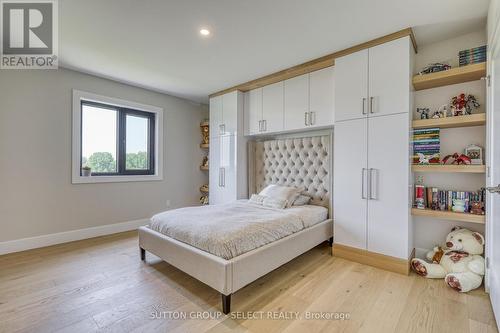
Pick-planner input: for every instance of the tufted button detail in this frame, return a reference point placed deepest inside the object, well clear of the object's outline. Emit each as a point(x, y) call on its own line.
point(294, 162)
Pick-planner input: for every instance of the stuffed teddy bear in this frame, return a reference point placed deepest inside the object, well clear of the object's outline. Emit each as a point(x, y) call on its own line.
point(460, 263)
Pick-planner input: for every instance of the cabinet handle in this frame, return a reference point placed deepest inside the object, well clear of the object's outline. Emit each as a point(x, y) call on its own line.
point(363, 196)
point(371, 197)
point(260, 125)
point(222, 129)
point(220, 177)
point(371, 104)
point(223, 177)
point(312, 118)
point(265, 125)
point(363, 102)
point(306, 118)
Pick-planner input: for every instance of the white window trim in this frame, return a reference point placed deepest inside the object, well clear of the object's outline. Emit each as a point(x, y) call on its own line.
point(78, 96)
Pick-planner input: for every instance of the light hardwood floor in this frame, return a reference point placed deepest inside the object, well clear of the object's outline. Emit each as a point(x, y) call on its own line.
point(101, 285)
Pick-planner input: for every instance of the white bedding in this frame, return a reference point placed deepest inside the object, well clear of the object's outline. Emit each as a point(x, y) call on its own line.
point(229, 230)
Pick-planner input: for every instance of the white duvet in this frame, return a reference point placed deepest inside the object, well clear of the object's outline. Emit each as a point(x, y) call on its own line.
point(229, 230)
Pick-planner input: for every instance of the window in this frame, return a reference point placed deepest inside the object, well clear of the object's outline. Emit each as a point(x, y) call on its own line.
point(116, 140)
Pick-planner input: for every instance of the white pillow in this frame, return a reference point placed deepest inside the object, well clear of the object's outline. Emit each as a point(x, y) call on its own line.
point(274, 203)
point(301, 200)
point(257, 199)
point(287, 193)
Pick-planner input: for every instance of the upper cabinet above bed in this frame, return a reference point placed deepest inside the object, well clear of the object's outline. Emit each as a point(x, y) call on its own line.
point(300, 103)
point(226, 117)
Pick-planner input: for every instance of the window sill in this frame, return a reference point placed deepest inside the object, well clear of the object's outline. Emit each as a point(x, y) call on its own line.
point(115, 179)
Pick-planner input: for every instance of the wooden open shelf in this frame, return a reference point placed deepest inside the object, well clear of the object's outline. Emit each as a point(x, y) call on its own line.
point(203, 167)
point(204, 145)
point(447, 215)
point(452, 76)
point(449, 168)
point(477, 119)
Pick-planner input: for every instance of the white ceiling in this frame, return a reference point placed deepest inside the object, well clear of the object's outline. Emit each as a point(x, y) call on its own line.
point(156, 44)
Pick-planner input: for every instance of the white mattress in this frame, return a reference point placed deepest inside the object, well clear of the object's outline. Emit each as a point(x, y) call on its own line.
point(230, 230)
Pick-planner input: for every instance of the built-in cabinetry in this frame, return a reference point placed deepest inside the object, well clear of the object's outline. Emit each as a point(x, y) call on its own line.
point(373, 81)
point(227, 158)
point(264, 109)
point(371, 140)
point(299, 103)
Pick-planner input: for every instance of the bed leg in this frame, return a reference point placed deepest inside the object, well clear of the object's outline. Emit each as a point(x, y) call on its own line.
point(226, 303)
point(143, 254)
point(330, 241)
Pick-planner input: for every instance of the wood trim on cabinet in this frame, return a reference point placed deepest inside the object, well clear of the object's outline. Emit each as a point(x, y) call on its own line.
point(316, 64)
point(393, 264)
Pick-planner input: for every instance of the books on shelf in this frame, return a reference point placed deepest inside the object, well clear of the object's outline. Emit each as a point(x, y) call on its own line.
point(447, 200)
point(426, 141)
point(472, 56)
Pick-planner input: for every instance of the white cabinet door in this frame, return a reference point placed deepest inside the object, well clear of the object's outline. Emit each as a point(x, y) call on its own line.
point(350, 185)
point(230, 109)
point(216, 194)
point(389, 77)
point(388, 207)
point(296, 102)
point(215, 116)
point(228, 168)
point(321, 90)
point(253, 111)
point(351, 86)
point(272, 107)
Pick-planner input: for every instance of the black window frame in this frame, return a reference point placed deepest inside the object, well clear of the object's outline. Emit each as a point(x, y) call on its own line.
point(121, 139)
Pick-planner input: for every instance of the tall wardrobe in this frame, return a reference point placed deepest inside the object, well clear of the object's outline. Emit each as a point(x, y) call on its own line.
point(373, 100)
point(227, 157)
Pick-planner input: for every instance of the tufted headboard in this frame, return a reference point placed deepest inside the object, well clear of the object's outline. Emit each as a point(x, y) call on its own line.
point(304, 161)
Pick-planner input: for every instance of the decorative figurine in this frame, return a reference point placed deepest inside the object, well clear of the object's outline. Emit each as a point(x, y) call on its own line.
point(457, 159)
point(440, 113)
point(462, 105)
point(204, 163)
point(477, 208)
point(204, 199)
point(433, 68)
point(458, 206)
point(475, 153)
point(423, 159)
point(424, 113)
point(205, 132)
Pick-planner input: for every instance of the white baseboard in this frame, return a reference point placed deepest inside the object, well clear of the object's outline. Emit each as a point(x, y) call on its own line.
point(68, 236)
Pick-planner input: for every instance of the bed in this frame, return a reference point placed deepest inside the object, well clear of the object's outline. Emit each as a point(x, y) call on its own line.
point(231, 245)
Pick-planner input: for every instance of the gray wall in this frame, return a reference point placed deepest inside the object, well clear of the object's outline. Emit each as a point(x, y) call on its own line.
point(36, 194)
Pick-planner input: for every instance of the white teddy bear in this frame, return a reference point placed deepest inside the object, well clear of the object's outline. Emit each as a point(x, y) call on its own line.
point(460, 264)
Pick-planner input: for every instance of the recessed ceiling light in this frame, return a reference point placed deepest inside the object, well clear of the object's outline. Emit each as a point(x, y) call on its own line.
point(205, 32)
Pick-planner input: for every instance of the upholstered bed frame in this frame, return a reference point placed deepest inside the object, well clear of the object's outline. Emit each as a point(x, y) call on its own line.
point(302, 161)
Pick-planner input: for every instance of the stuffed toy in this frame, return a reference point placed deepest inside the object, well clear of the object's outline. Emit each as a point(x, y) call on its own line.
point(460, 262)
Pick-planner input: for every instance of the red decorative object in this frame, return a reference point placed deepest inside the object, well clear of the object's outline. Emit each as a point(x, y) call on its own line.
point(462, 105)
point(457, 159)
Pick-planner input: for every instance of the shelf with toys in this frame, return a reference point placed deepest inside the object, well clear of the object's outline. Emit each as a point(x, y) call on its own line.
point(204, 127)
point(459, 168)
point(477, 119)
point(429, 148)
point(450, 76)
